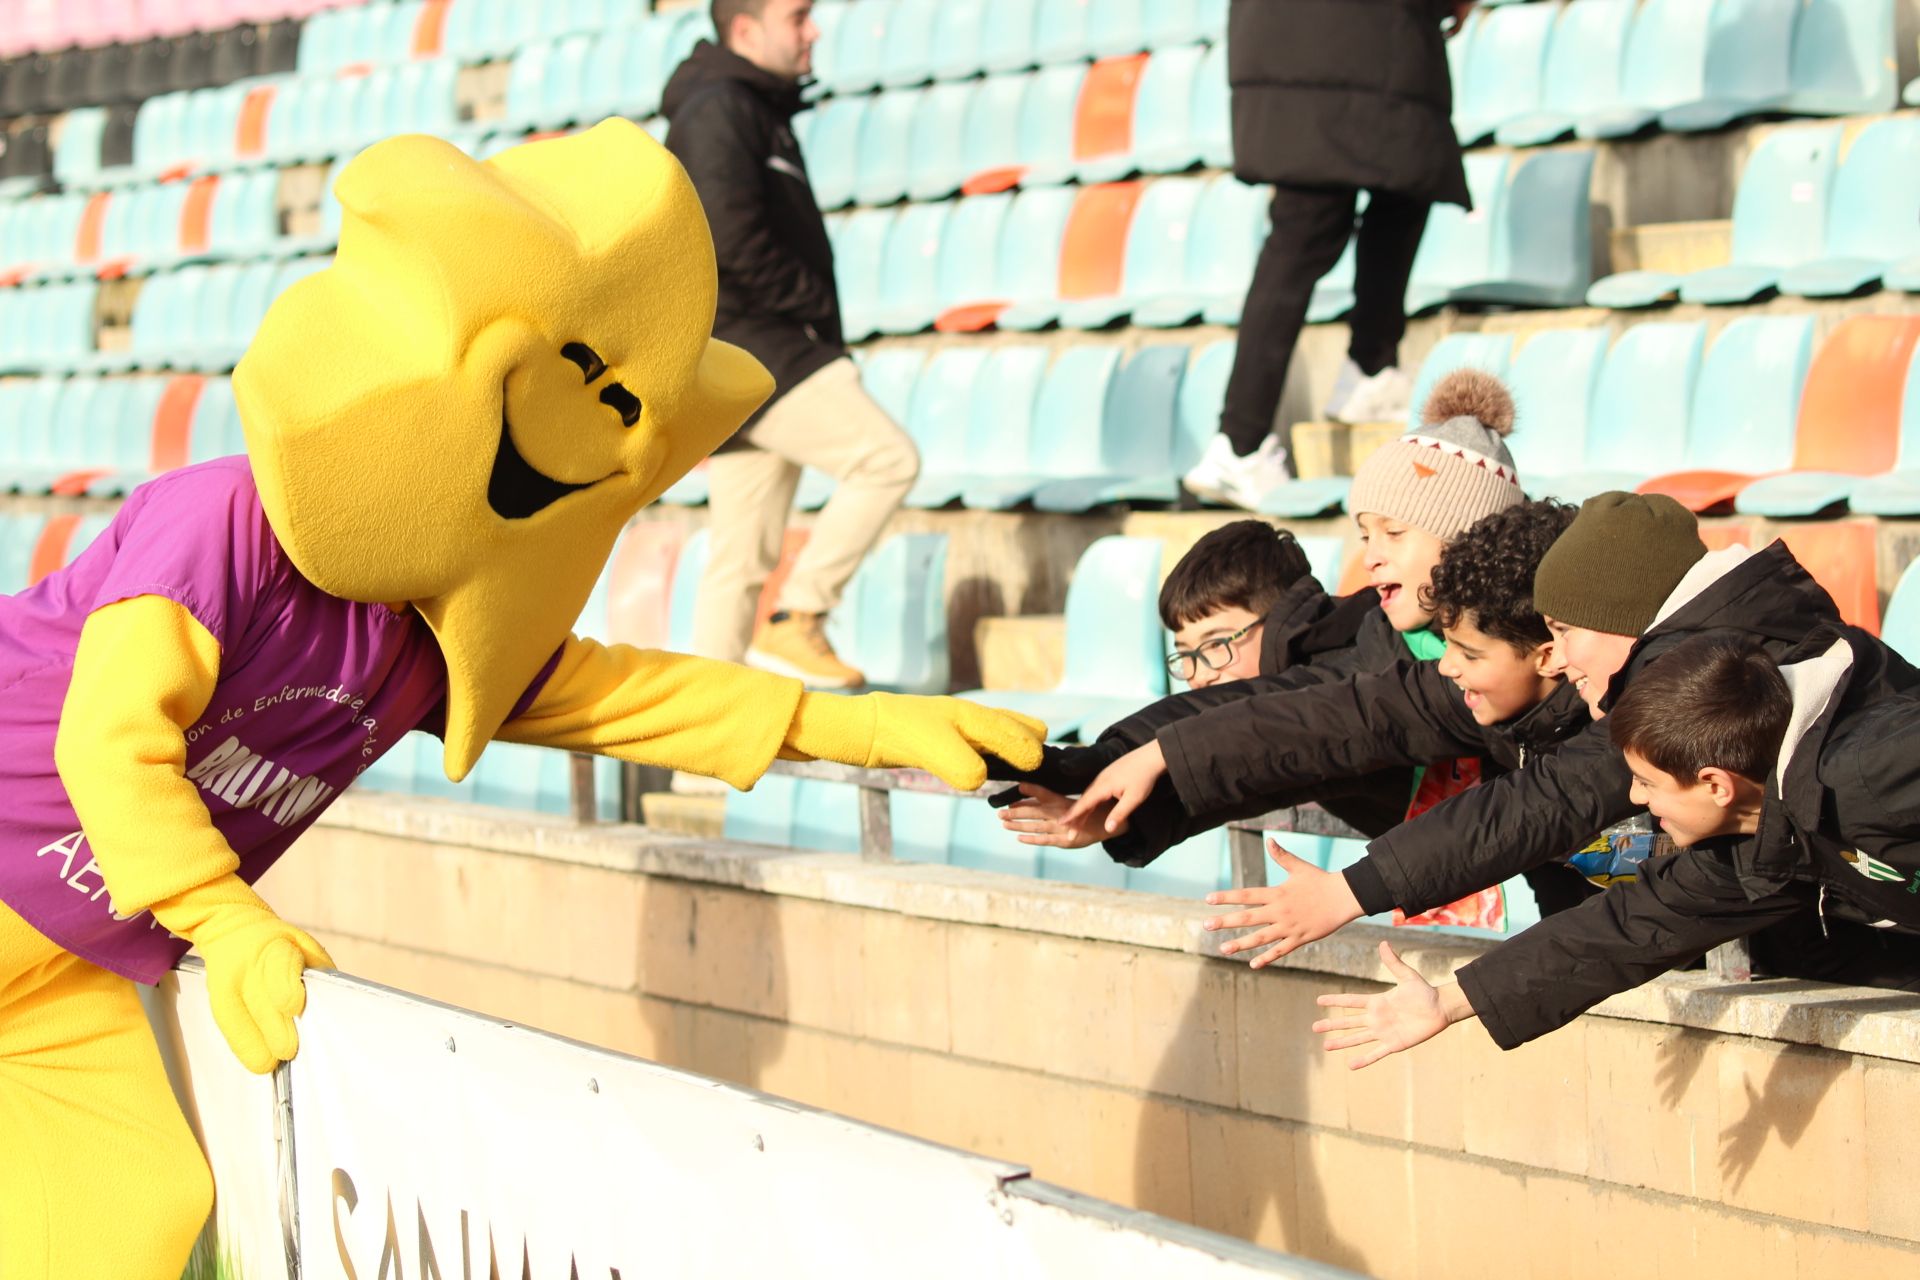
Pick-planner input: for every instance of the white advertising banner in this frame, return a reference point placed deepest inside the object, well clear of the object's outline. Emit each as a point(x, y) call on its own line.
point(435, 1144)
point(232, 1112)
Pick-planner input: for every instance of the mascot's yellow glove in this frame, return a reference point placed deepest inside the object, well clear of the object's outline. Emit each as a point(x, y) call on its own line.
point(254, 962)
point(944, 736)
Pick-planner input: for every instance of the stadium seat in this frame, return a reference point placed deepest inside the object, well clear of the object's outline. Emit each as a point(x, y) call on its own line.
point(1639, 417)
point(892, 621)
point(1154, 267)
point(958, 41)
point(937, 144)
point(910, 260)
point(1063, 31)
point(1092, 254)
point(1779, 221)
point(859, 254)
point(1116, 28)
point(1873, 218)
point(1843, 59)
point(1850, 418)
point(1027, 264)
point(1048, 116)
point(1503, 70)
point(1698, 64)
point(640, 583)
point(1165, 139)
point(1116, 654)
point(1527, 241)
point(1900, 628)
point(1897, 492)
point(1491, 352)
point(1007, 44)
point(970, 241)
point(833, 150)
point(990, 143)
point(1229, 225)
point(1744, 409)
point(860, 46)
point(1063, 437)
point(1581, 75)
point(1553, 376)
point(1212, 109)
point(886, 147)
point(687, 572)
point(1178, 22)
point(907, 57)
point(1134, 458)
point(76, 156)
point(1102, 124)
point(941, 420)
point(889, 377)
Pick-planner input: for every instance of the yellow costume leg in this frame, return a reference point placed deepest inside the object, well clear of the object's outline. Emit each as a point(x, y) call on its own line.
point(99, 1174)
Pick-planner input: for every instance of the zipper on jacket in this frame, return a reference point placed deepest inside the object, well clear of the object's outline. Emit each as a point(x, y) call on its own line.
point(1821, 908)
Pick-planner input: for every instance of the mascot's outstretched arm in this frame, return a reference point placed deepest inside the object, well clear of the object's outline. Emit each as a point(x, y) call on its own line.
point(729, 721)
point(143, 673)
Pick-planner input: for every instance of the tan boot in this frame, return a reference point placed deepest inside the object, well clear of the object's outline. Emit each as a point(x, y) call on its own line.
point(795, 644)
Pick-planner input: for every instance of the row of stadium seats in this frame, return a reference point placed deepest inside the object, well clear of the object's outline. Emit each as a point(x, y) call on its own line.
point(121, 74)
point(27, 26)
point(1806, 222)
point(1526, 74)
point(1662, 411)
point(98, 437)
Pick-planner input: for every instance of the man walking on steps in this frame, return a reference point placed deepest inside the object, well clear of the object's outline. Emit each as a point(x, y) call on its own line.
point(1331, 98)
point(729, 109)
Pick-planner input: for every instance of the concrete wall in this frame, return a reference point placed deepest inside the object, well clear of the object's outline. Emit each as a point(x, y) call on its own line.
point(1695, 1131)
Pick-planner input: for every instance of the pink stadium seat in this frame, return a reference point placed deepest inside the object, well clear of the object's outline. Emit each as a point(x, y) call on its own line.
point(640, 583)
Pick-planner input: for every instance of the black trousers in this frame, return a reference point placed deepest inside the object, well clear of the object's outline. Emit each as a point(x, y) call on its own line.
point(1311, 226)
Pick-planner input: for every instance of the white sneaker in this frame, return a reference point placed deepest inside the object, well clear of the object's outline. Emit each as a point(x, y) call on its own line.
point(1381, 397)
point(1344, 383)
point(1208, 477)
point(1242, 482)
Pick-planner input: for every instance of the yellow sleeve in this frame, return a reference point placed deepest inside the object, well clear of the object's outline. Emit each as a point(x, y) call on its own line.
point(143, 673)
point(693, 714)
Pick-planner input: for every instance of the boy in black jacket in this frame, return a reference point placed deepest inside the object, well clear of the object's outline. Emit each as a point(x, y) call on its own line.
point(1785, 788)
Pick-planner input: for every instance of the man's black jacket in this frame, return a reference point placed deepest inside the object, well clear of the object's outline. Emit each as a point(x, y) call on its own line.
point(1839, 831)
point(730, 125)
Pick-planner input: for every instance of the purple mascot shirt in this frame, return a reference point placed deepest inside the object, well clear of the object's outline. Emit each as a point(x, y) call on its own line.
point(312, 690)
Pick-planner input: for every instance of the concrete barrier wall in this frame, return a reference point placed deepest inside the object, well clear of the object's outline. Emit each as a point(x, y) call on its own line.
point(1688, 1129)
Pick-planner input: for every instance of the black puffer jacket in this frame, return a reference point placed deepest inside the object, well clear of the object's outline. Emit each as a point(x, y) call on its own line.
point(1493, 832)
point(730, 125)
point(1839, 831)
point(1344, 93)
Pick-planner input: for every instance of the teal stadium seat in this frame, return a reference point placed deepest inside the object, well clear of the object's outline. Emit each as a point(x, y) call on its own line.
point(1552, 377)
point(1844, 61)
point(1047, 118)
point(1779, 221)
point(1489, 352)
point(959, 38)
point(971, 238)
point(1212, 110)
point(892, 620)
point(1527, 241)
point(1229, 226)
point(1063, 31)
point(937, 147)
point(1026, 264)
point(1699, 63)
point(1164, 137)
point(1008, 41)
point(1873, 215)
point(860, 47)
point(907, 58)
point(939, 418)
point(1178, 22)
point(1745, 407)
point(1119, 27)
point(1900, 627)
point(1747, 68)
point(1640, 411)
point(990, 130)
point(687, 572)
point(1581, 75)
point(833, 150)
point(885, 152)
point(1065, 431)
point(1116, 654)
point(1503, 71)
point(910, 269)
point(859, 253)
point(76, 158)
point(1133, 457)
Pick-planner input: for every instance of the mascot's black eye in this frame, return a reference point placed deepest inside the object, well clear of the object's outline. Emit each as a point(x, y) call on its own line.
point(591, 365)
point(618, 397)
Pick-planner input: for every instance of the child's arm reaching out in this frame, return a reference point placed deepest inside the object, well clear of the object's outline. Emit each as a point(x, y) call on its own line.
point(1308, 906)
point(1410, 1012)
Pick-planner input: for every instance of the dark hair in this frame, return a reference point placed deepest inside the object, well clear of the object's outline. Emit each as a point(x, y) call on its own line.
point(1248, 565)
point(725, 11)
point(1487, 572)
point(1708, 702)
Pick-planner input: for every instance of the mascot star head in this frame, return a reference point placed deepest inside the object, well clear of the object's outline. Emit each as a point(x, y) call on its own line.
point(505, 361)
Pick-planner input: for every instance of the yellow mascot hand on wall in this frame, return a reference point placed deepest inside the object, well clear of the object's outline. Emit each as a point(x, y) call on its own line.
point(254, 962)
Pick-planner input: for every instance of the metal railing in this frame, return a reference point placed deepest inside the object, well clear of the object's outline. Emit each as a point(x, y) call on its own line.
point(1246, 853)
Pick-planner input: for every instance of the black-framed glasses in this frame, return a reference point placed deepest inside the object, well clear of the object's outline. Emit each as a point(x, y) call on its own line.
point(1213, 655)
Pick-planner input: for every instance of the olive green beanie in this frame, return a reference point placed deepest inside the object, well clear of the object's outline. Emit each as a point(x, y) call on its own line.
point(1617, 562)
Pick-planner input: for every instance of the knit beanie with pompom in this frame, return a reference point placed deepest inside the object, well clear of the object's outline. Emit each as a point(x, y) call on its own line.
point(1451, 470)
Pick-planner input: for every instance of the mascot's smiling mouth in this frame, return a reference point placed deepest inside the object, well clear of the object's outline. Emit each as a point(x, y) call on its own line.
point(517, 489)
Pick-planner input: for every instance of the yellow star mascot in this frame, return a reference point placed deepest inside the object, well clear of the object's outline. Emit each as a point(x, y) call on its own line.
point(446, 431)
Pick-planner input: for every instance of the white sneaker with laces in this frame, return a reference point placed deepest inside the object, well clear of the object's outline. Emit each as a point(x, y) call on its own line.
point(1344, 384)
point(1381, 397)
point(1245, 482)
point(1208, 475)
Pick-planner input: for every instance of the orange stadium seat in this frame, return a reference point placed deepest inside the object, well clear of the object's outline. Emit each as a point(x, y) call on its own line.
point(1841, 557)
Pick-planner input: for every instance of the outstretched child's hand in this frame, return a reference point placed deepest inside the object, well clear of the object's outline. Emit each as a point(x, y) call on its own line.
point(1123, 785)
point(1041, 818)
point(1411, 1012)
point(1310, 905)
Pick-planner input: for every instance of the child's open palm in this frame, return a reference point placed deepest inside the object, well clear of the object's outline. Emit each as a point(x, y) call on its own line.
point(1308, 906)
point(1042, 818)
point(1408, 1013)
